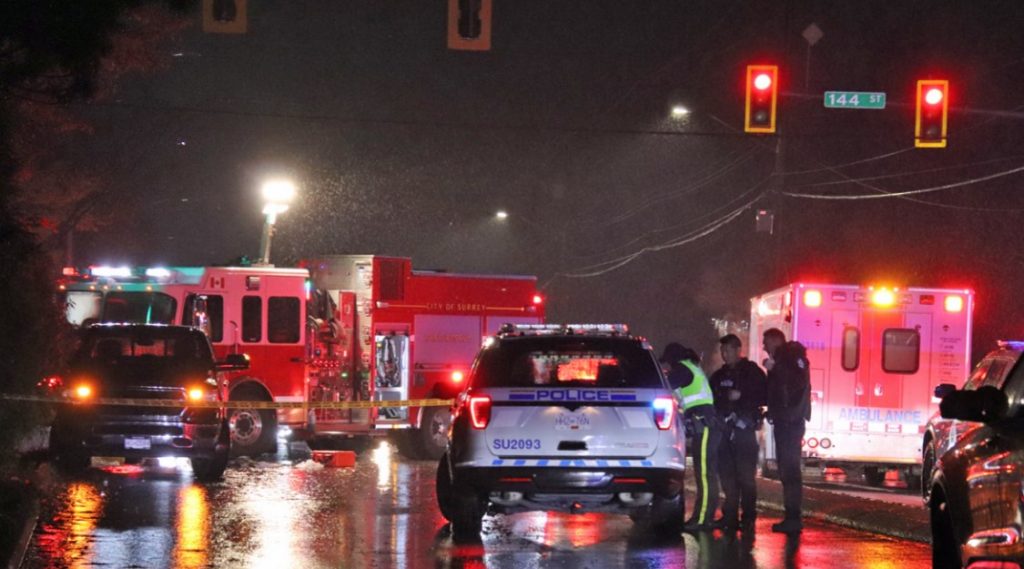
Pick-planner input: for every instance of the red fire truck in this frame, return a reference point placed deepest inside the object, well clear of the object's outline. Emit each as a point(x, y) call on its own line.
point(876, 355)
point(341, 328)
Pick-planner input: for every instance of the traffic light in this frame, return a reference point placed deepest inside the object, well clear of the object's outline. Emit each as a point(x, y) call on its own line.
point(932, 111)
point(469, 25)
point(762, 98)
point(225, 16)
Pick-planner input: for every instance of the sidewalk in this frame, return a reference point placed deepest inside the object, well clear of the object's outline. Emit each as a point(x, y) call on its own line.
point(20, 500)
point(875, 514)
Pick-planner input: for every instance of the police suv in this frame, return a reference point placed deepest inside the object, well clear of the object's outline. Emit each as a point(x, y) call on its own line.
point(577, 418)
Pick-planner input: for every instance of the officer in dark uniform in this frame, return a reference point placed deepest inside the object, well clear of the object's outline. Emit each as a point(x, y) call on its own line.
point(789, 408)
point(739, 388)
point(701, 424)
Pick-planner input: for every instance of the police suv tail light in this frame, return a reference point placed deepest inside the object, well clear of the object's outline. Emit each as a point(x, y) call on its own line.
point(480, 411)
point(664, 412)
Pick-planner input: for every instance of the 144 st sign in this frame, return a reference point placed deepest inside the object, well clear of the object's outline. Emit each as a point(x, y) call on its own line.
point(854, 100)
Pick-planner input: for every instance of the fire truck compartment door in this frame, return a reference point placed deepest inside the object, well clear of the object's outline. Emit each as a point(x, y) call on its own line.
point(391, 373)
point(446, 340)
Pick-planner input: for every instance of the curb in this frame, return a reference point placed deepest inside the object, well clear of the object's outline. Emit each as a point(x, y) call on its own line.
point(864, 514)
point(21, 548)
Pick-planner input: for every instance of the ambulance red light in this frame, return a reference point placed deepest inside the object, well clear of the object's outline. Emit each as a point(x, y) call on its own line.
point(954, 303)
point(457, 376)
point(480, 411)
point(812, 298)
point(883, 297)
point(812, 442)
point(664, 412)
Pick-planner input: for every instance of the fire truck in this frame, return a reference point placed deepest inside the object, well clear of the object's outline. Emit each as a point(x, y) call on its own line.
point(336, 329)
point(876, 355)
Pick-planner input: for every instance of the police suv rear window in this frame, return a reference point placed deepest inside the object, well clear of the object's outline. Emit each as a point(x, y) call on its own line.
point(567, 362)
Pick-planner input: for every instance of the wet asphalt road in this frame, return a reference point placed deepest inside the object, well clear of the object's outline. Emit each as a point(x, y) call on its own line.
point(380, 514)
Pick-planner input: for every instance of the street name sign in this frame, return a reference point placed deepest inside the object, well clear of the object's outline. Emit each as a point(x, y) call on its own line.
point(854, 100)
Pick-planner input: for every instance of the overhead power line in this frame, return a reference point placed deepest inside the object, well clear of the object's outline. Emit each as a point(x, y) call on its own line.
point(605, 267)
point(886, 194)
point(849, 180)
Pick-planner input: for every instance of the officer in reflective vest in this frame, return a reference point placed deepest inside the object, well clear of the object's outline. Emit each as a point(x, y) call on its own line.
point(701, 425)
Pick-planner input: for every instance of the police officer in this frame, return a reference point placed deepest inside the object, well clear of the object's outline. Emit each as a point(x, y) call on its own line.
point(739, 391)
point(789, 408)
point(701, 423)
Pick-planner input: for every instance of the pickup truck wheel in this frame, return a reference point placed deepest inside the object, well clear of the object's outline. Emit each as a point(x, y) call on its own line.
point(253, 431)
point(211, 469)
point(431, 439)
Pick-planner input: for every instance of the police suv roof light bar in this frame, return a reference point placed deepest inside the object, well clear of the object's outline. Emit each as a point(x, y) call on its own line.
point(1011, 344)
point(563, 329)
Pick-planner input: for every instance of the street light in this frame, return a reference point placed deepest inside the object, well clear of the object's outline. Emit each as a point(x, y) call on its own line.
point(277, 196)
point(679, 111)
point(501, 214)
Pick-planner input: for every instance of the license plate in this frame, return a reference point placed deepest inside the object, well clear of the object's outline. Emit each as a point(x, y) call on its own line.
point(106, 461)
point(137, 443)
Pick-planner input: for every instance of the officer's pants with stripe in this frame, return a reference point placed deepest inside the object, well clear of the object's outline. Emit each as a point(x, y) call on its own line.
point(704, 452)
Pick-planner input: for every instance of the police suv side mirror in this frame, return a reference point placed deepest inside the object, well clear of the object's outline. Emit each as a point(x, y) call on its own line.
point(986, 405)
point(944, 389)
point(234, 362)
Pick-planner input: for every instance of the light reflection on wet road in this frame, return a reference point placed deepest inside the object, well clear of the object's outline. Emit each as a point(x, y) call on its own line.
point(380, 514)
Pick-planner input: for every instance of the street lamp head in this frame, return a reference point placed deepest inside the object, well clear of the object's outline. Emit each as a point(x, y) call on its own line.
point(280, 192)
point(501, 214)
point(272, 208)
point(679, 111)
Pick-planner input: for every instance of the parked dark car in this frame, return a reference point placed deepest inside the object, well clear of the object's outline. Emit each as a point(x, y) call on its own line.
point(144, 361)
point(974, 466)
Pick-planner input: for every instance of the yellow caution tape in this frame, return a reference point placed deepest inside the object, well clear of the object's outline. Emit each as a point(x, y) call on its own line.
point(233, 404)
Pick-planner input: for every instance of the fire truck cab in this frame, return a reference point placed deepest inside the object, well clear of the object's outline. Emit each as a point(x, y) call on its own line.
point(876, 356)
point(344, 328)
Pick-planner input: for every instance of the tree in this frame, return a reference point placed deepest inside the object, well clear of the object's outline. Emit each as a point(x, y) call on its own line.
point(51, 53)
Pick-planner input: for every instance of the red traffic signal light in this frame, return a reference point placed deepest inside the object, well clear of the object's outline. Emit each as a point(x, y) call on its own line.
point(762, 98)
point(932, 113)
point(225, 16)
point(469, 24)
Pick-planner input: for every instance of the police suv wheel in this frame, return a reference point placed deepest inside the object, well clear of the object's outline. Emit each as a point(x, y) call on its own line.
point(443, 489)
point(663, 515)
point(464, 509)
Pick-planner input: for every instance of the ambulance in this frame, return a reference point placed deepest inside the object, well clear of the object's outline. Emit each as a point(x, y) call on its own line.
point(876, 355)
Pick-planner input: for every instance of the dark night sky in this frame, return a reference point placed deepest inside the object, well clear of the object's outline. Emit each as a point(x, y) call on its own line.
point(403, 147)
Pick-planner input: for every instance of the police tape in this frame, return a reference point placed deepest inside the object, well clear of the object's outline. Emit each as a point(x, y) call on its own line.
point(127, 402)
